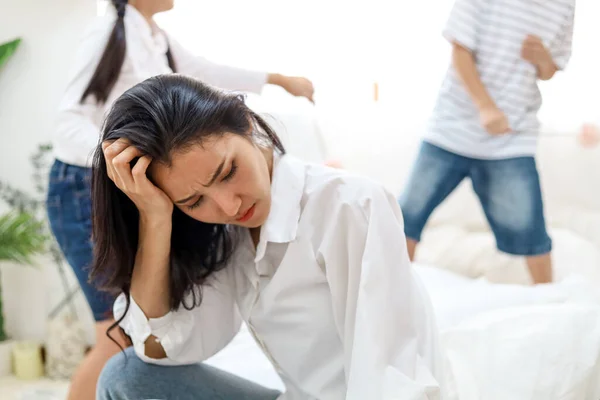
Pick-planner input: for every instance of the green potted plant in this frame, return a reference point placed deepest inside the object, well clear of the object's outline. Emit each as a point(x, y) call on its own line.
point(65, 330)
point(21, 237)
point(8, 224)
point(7, 49)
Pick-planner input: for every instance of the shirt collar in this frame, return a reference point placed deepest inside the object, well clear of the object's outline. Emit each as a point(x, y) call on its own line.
point(134, 17)
point(287, 189)
point(150, 33)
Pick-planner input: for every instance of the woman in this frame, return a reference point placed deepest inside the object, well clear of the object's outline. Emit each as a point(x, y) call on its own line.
point(201, 221)
point(119, 51)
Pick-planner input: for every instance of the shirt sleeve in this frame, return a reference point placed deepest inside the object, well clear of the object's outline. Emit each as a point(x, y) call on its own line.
point(462, 26)
point(76, 135)
point(561, 52)
point(383, 314)
point(221, 76)
point(187, 336)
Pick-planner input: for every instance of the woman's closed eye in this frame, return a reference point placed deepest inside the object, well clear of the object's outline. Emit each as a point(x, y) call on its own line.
point(231, 172)
point(196, 203)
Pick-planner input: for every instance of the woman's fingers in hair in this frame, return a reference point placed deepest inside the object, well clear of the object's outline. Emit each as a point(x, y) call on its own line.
point(122, 166)
point(111, 149)
point(108, 159)
point(149, 199)
point(139, 171)
point(143, 184)
point(106, 144)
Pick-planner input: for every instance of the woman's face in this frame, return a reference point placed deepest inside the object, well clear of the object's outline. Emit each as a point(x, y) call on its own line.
point(224, 180)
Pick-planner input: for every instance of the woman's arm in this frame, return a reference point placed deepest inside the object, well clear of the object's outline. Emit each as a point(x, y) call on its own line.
point(384, 316)
point(159, 335)
point(150, 278)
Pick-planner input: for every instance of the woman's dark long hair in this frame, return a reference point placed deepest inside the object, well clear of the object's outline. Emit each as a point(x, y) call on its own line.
point(160, 116)
point(108, 69)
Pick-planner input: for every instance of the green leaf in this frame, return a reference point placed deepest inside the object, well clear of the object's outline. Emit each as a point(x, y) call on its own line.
point(2, 330)
point(7, 49)
point(21, 237)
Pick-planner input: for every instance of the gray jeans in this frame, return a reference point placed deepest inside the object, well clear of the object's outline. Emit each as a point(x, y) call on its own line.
point(126, 377)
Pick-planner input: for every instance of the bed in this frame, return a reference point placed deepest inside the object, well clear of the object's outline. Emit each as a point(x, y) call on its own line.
point(501, 341)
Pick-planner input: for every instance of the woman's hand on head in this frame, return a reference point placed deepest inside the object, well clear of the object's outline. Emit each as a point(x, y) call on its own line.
point(151, 202)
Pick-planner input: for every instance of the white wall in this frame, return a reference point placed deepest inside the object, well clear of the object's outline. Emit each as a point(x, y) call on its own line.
point(346, 45)
point(32, 82)
point(30, 87)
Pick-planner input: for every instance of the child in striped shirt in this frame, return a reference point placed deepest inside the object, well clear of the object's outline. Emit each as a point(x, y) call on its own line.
point(484, 125)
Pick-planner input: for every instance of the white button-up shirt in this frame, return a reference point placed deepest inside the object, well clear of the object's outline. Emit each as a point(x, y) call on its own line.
point(329, 295)
point(78, 124)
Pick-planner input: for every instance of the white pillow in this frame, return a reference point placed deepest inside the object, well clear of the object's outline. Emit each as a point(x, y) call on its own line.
point(583, 222)
point(470, 253)
point(296, 124)
point(533, 353)
point(474, 254)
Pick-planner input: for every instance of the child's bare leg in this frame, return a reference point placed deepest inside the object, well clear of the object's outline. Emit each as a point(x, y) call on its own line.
point(540, 268)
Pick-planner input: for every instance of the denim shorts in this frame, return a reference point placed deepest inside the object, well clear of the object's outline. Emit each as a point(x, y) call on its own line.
point(508, 189)
point(69, 211)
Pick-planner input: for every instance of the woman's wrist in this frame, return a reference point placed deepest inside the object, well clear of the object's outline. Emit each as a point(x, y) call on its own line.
point(155, 221)
point(155, 232)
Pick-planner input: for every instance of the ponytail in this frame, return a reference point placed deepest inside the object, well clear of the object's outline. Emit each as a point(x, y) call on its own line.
point(109, 68)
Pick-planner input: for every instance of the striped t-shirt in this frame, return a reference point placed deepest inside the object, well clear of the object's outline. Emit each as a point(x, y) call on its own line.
point(494, 31)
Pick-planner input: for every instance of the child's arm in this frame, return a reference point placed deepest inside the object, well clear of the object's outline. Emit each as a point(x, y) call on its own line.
point(462, 30)
point(549, 61)
point(466, 68)
point(536, 53)
point(492, 118)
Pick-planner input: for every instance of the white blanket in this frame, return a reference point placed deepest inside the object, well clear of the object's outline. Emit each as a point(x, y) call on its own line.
point(501, 341)
point(517, 342)
point(530, 353)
